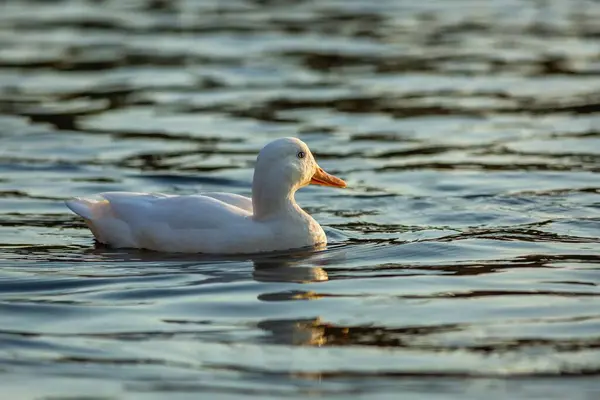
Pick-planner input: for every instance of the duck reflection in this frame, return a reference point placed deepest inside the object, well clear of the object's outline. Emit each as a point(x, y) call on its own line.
point(318, 332)
point(298, 267)
point(288, 272)
point(301, 332)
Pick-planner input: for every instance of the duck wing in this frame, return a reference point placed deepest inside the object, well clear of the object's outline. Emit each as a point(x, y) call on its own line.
point(178, 212)
point(243, 202)
point(161, 222)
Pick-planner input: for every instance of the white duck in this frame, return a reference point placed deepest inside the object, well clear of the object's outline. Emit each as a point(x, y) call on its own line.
point(217, 223)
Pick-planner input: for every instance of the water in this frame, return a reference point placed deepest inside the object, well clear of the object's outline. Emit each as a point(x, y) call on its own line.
point(463, 259)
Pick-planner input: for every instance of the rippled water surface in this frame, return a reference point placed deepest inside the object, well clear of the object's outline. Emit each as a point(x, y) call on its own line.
point(464, 258)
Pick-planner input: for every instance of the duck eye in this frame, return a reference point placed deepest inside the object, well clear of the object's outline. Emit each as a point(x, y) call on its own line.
point(301, 154)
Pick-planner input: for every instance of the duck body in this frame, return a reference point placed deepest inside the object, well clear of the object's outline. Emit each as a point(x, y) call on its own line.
point(217, 223)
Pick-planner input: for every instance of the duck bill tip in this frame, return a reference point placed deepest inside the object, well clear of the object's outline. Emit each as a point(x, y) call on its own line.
point(323, 178)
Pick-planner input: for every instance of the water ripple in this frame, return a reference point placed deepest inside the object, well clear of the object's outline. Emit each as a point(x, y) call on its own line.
point(462, 259)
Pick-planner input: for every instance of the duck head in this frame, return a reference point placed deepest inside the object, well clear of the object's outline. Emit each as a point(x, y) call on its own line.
point(282, 167)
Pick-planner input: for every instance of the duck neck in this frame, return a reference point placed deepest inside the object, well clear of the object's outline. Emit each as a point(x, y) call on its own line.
point(272, 197)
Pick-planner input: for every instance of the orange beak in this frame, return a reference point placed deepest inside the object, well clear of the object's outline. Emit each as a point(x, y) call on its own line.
point(324, 179)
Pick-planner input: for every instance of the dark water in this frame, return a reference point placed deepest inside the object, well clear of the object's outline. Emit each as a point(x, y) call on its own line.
point(465, 256)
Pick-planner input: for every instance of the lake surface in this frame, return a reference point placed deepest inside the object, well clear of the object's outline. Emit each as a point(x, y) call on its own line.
point(464, 258)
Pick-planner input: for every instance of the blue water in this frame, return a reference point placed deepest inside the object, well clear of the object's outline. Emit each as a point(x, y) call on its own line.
point(464, 258)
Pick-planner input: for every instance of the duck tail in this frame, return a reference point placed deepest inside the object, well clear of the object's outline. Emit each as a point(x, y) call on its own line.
point(82, 207)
